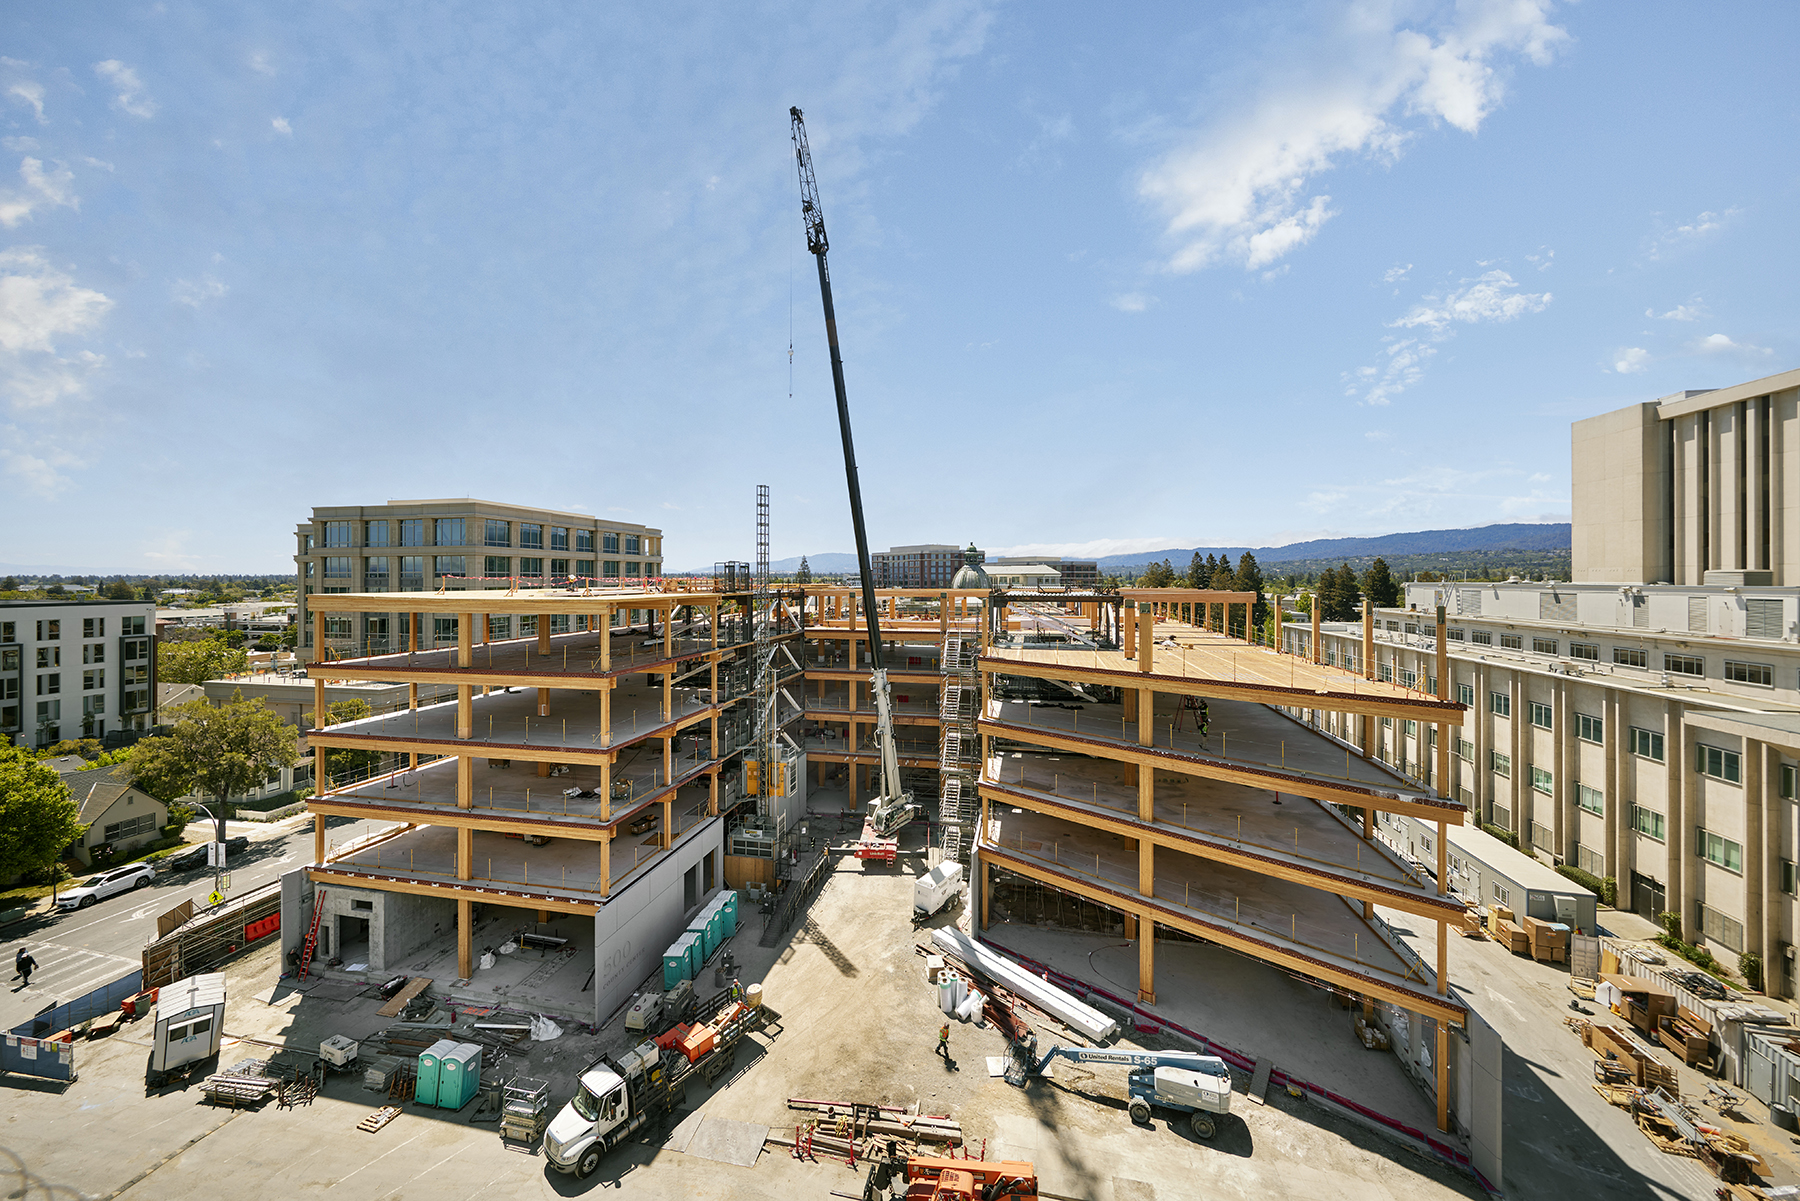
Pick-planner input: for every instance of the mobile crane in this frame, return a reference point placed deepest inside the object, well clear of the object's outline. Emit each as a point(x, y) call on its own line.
point(893, 808)
point(1183, 1081)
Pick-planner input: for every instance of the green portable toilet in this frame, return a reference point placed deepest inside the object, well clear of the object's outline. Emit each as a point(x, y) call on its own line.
point(675, 965)
point(728, 904)
point(425, 1090)
point(459, 1076)
point(697, 927)
point(715, 924)
point(691, 943)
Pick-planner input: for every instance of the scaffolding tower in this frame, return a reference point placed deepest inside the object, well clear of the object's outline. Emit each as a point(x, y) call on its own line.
point(959, 756)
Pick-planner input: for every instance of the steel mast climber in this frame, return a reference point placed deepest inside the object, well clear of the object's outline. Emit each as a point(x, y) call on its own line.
point(893, 808)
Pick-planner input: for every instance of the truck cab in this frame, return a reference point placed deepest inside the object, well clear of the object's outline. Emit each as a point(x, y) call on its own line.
point(612, 1099)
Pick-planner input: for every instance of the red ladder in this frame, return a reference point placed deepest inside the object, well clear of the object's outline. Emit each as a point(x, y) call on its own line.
point(312, 935)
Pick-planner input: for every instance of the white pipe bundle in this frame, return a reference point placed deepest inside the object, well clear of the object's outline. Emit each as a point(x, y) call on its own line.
point(1041, 993)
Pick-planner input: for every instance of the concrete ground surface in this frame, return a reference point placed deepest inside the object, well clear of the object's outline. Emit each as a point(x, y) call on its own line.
point(854, 1020)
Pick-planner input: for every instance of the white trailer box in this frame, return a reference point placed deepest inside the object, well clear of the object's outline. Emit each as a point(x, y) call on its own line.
point(933, 890)
point(190, 1019)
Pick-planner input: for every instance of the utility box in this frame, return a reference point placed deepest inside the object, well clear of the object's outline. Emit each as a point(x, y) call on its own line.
point(190, 1019)
point(644, 1011)
point(933, 890)
point(459, 1076)
point(425, 1088)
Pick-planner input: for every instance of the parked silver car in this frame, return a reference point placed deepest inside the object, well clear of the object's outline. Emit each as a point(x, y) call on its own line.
point(107, 884)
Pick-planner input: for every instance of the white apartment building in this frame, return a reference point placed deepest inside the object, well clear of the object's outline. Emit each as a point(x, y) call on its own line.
point(1641, 729)
point(437, 545)
point(75, 669)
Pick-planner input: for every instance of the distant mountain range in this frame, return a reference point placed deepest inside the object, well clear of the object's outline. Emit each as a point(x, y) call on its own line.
point(1515, 536)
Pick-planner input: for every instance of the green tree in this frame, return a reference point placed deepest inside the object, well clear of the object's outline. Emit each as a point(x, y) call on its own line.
point(120, 590)
point(1250, 579)
point(349, 764)
point(9, 584)
point(804, 575)
point(1383, 591)
point(38, 821)
point(1197, 575)
point(1339, 597)
point(1158, 575)
point(195, 662)
point(222, 752)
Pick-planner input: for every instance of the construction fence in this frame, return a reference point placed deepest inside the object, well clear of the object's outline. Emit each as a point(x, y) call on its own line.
point(188, 943)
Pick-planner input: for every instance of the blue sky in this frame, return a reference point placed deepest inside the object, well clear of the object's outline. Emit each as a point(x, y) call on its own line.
point(1108, 277)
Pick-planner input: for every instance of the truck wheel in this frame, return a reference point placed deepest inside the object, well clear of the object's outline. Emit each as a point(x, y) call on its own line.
point(1204, 1126)
point(1139, 1109)
point(589, 1162)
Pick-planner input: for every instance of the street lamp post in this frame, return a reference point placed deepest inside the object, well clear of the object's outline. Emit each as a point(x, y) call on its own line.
point(218, 856)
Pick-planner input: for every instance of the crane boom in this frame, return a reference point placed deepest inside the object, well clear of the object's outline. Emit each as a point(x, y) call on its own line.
point(893, 808)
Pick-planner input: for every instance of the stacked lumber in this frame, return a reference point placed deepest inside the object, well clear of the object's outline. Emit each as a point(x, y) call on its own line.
point(852, 1130)
point(231, 1090)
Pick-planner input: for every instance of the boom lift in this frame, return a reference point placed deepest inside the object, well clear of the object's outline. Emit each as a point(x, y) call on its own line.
point(1183, 1081)
point(893, 808)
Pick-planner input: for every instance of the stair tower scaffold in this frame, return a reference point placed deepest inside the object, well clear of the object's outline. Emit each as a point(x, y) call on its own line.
point(959, 757)
point(762, 617)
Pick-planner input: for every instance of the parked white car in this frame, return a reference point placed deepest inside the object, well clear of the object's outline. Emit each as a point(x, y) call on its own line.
point(106, 884)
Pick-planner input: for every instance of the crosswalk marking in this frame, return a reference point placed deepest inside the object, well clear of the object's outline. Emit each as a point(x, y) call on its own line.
point(74, 970)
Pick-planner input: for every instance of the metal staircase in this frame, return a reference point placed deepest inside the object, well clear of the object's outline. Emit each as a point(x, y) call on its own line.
point(959, 762)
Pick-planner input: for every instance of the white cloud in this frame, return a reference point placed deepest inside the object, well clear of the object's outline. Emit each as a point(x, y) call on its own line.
point(130, 98)
point(1439, 494)
point(99, 163)
point(1543, 261)
point(1681, 312)
point(1238, 189)
point(1691, 232)
point(1491, 297)
point(259, 62)
point(39, 305)
point(29, 92)
point(1722, 344)
point(36, 474)
point(1630, 360)
point(1395, 274)
point(1132, 302)
point(54, 188)
point(1378, 436)
point(20, 145)
point(196, 292)
point(281, 126)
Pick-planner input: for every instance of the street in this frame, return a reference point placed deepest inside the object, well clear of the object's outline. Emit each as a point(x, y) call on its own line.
point(81, 950)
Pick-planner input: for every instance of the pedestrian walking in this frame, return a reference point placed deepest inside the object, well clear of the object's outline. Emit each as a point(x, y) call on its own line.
point(943, 1047)
point(25, 965)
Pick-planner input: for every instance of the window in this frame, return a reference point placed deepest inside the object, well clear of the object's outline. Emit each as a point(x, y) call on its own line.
point(533, 568)
point(499, 533)
point(1647, 743)
point(584, 568)
point(1501, 815)
point(412, 532)
point(559, 569)
point(443, 629)
point(496, 566)
point(1481, 638)
point(1647, 822)
point(1465, 695)
point(136, 675)
point(559, 538)
point(1716, 927)
point(1412, 729)
point(610, 543)
point(1513, 642)
point(1540, 716)
point(1457, 636)
point(93, 627)
point(1409, 679)
point(1541, 838)
point(498, 628)
point(412, 573)
point(138, 648)
point(49, 656)
point(1591, 862)
point(9, 631)
point(528, 627)
point(1750, 673)
point(337, 567)
point(1684, 665)
point(1501, 764)
point(375, 533)
point(1584, 650)
point(1387, 673)
point(1789, 781)
point(633, 569)
point(1465, 750)
point(93, 652)
point(375, 573)
point(1500, 704)
point(450, 532)
point(452, 565)
point(1543, 646)
point(531, 537)
point(1590, 799)
point(131, 827)
point(1502, 895)
point(1788, 882)
point(337, 534)
point(611, 569)
point(1719, 764)
point(49, 631)
point(632, 544)
point(1590, 729)
point(1718, 850)
point(49, 685)
point(584, 541)
point(1387, 723)
point(1541, 780)
point(93, 680)
point(1631, 656)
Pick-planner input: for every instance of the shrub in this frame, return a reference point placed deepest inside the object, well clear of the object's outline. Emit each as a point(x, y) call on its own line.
point(1505, 836)
point(1750, 968)
point(1607, 890)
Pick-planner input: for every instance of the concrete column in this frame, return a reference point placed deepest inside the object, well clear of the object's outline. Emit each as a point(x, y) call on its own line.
point(1772, 839)
point(1756, 805)
point(1755, 483)
point(1618, 806)
point(1677, 756)
point(1563, 794)
point(1519, 726)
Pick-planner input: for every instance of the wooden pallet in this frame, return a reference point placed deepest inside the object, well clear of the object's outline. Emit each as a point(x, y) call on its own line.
point(379, 1118)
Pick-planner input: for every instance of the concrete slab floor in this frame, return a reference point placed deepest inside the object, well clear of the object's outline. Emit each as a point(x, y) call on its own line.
point(856, 1021)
